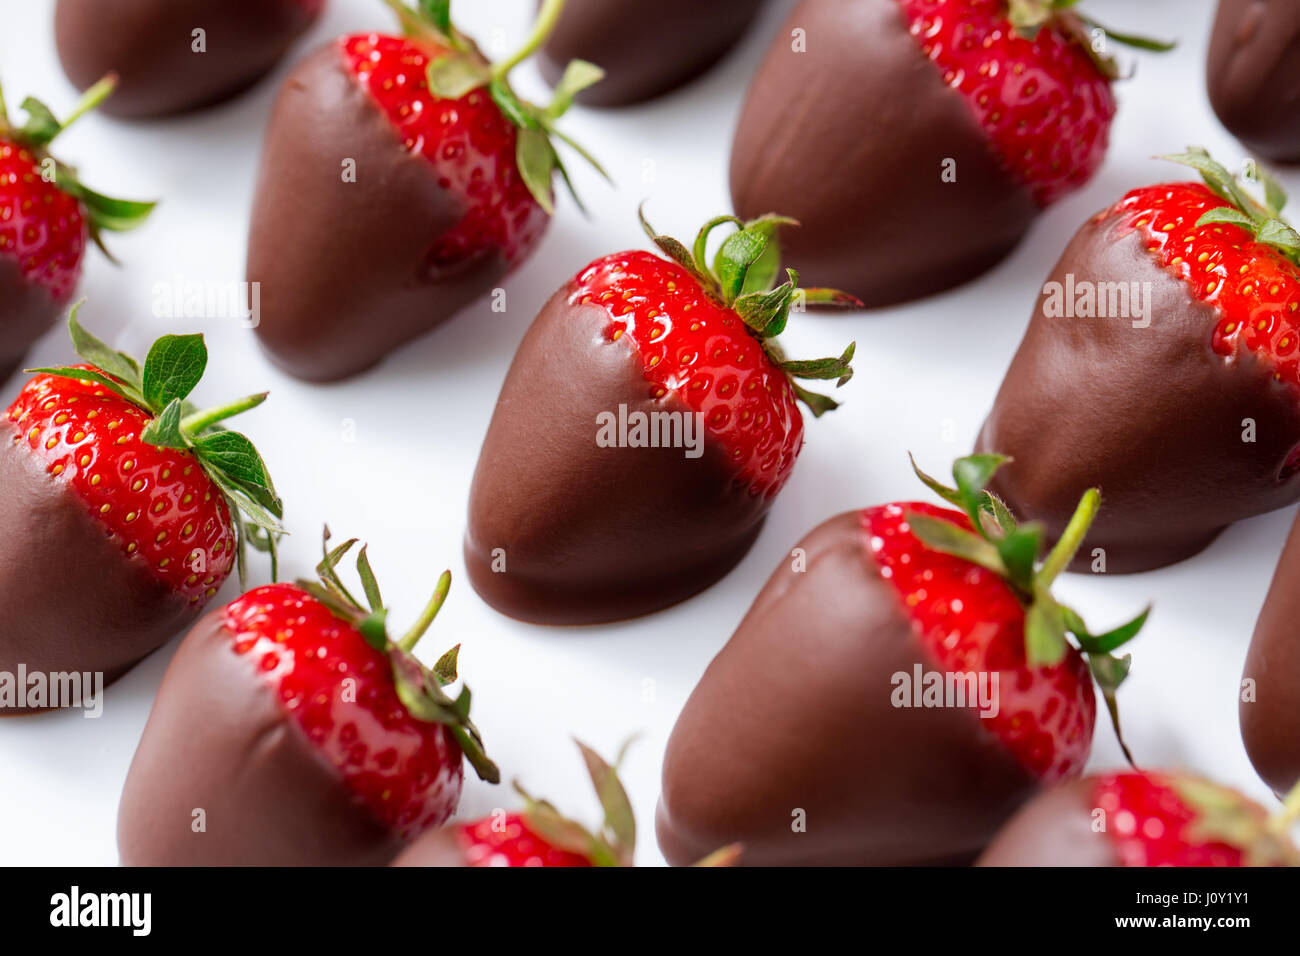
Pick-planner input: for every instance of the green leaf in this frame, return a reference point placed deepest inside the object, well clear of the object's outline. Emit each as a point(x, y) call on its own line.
point(107, 213)
point(700, 251)
point(1276, 233)
point(235, 457)
point(1110, 672)
point(373, 628)
point(826, 368)
point(1112, 639)
point(1132, 39)
point(165, 430)
point(42, 125)
point(1229, 215)
point(737, 254)
point(80, 375)
point(368, 582)
point(452, 75)
point(175, 365)
point(944, 536)
point(831, 297)
point(445, 667)
point(818, 404)
point(95, 352)
point(972, 474)
point(578, 75)
point(620, 821)
point(438, 13)
point(767, 313)
point(536, 159)
point(1217, 177)
point(1019, 550)
point(1274, 194)
point(515, 110)
point(1045, 644)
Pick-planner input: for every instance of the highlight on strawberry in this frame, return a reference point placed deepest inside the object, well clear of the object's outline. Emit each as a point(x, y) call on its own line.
point(308, 734)
point(126, 507)
point(46, 215)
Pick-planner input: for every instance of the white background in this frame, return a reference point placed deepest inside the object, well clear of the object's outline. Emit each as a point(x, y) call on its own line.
point(922, 370)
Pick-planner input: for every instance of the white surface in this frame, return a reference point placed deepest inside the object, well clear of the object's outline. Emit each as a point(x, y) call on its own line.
point(926, 375)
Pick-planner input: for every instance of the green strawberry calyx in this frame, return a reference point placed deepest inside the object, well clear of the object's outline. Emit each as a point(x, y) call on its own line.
point(1262, 219)
point(614, 842)
point(419, 688)
point(1030, 16)
point(463, 68)
point(742, 277)
point(103, 213)
point(161, 388)
point(1225, 816)
point(1010, 549)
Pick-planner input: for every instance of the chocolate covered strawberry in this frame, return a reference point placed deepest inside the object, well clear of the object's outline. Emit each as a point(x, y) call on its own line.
point(646, 47)
point(916, 140)
point(930, 683)
point(1145, 818)
point(401, 179)
point(125, 507)
point(176, 55)
point(644, 429)
point(1162, 365)
point(290, 729)
point(1250, 75)
point(46, 216)
point(540, 835)
point(1269, 706)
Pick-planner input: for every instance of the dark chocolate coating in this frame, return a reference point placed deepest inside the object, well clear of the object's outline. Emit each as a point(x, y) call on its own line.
point(1270, 725)
point(1053, 829)
point(219, 740)
point(849, 138)
point(73, 600)
point(149, 44)
point(1152, 416)
point(343, 266)
point(795, 712)
point(435, 848)
point(646, 47)
point(27, 311)
point(594, 534)
point(1253, 75)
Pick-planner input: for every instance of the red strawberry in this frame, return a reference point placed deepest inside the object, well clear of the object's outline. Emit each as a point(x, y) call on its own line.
point(540, 836)
point(1163, 366)
point(305, 733)
point(643, 431)
point(916, 140)
point(174, 56)
point(46, 216)
point(125, 507)
point(1146, 819)
point(401, 180)
point(925, 689)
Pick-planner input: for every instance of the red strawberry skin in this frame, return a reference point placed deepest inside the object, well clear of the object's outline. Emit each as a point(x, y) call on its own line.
point(43, 235)
point(113, 545)
point(436, 213)
point(637, 331)
point(759, 747)
point(504, 840)
point(283, 721)
point(1130, 819)
point(1207, 388)
point(149, 44)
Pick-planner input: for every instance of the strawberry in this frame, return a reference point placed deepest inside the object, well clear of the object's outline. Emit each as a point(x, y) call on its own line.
point(541, 836)
point(1253, 54)
point(581, 508)
point(126, 508)
point(975, 114)
point(1145, 818)
point(307, 734)
point(1168, 326)
point(174, 57)
point(439, 173)
point(46, 216)
point(928, 643)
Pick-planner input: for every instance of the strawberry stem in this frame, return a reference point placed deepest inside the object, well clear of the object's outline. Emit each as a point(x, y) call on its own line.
point(91, 99)
point(412, 637)
point(1071, 539)
point(542, 27)
point(200, 422)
